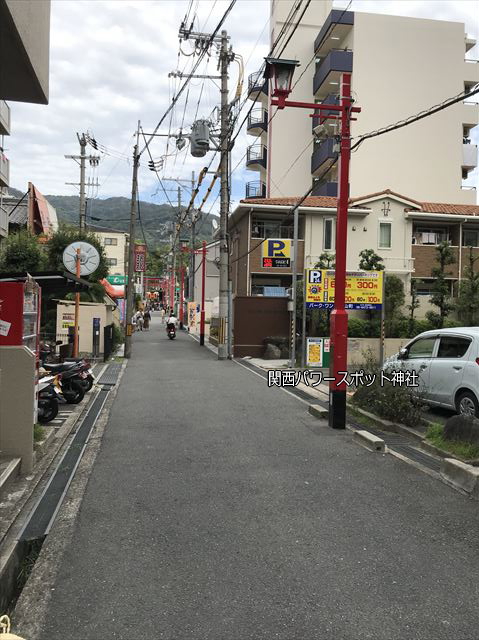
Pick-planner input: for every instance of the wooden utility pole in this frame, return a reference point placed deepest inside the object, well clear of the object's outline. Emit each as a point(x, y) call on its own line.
point(130, 288)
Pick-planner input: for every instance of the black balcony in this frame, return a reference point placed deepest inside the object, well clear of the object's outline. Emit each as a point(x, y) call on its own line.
point(322, 153)
point(329, 70)
point(257, 85)
point(325, 189)
point(331, 98)
point(256, 156)
point(335, 27)
point(255, 189)
point(257, 122)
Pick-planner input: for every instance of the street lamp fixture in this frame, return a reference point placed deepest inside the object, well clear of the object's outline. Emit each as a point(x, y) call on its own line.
point(282, 73)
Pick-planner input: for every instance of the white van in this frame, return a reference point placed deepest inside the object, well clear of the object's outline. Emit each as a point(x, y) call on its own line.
point(447, 364)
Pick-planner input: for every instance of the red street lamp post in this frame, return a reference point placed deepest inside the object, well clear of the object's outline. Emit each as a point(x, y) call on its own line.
point(182, 285)
point(282, 73)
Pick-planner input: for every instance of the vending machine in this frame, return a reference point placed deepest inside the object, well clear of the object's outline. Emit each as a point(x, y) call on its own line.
point(20, 314)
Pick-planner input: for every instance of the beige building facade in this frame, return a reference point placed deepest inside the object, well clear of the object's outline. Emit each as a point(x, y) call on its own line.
point(400, 66)
point(115, 244)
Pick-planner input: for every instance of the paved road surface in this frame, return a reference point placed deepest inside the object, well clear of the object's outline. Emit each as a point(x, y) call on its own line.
point(219, 509)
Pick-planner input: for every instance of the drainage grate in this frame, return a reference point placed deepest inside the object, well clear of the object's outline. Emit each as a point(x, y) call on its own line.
point(110, 377)
point(418, 456)
point(46, 509)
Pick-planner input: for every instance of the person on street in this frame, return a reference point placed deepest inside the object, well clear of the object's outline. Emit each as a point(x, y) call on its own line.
point(171, 320)
point(134, 323)
point(162, 314)
point(146, 319)
point(140, 320)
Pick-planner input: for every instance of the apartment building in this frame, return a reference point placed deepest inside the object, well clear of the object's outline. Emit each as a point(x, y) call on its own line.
point(24, 69)
point(115, 244)
point(400, 66)
point(401, 229)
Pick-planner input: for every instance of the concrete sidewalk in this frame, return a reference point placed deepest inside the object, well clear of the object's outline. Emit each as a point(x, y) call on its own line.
point(220, 509)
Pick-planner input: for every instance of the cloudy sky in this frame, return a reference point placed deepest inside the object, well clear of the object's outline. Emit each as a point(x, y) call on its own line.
point(109, 66)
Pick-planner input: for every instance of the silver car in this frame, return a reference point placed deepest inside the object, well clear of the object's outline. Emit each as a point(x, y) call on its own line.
point(447, 364)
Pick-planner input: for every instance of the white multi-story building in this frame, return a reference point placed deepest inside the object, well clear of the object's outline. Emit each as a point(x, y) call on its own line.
point(400, 66)
point(115, 244)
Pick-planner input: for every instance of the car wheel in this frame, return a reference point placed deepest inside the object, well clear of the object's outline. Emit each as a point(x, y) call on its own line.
point(467, 404)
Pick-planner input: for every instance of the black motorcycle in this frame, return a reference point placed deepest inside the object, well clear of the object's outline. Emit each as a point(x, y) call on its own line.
point(47, 400)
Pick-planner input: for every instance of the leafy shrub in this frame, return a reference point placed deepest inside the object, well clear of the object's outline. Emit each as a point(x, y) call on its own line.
point(397, 403)
point(358, 328)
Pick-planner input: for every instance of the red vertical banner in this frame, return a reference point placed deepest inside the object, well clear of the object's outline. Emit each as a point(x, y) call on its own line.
point(140, 257)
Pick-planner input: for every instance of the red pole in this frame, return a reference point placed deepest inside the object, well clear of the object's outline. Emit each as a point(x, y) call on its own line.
point(339, 316)
point(182, 285)
point(172, 289)
point(76, 338)
point(203, 281)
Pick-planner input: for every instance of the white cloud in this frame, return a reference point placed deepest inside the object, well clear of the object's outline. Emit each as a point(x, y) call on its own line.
point(109, 68)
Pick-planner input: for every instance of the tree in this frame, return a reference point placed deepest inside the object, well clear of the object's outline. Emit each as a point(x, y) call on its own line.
point(394, 300)
point(468, 298)
point(156, 261)
point(326, 261)
point(65, 236)
point(413, 306)
point(370, 261)
point(21, 252)
point(441, 296)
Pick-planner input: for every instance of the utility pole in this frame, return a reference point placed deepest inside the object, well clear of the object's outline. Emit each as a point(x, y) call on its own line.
point(224, 147)
point(82, 141)
point(193, 240)
point(130, 296)
point(81, 160)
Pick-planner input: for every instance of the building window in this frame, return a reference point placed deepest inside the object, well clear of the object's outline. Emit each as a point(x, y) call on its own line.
point(270, 228)
point(111, 262)
point(430, 235)
point(111, 241)
point(328, 237)
point(470, 238)
point(384, 235)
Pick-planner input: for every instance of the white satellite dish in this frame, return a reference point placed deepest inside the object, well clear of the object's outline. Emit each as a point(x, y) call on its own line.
point(89, 257)
point(214, 224)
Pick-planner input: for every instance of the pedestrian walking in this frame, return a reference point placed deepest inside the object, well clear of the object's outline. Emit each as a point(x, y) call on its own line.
point(140, 320)
point(162, 314)
point(146, 319)
point(134, 323)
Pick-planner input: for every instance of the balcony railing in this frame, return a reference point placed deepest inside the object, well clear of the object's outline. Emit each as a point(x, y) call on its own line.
point(337, 18)
point(269, 291)
point(255, 189)
point(322, 152)
point(4, 170)
point(256, 156)
point(257, 121)
point(325, 189)
point(4, 118)
point(469, 155)
point(257, 84)
point(330, 69)
point(331, 98)
point(265, 230)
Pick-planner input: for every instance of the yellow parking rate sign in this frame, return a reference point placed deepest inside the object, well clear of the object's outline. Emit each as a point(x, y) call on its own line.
point(364, 289)
point(276, 253)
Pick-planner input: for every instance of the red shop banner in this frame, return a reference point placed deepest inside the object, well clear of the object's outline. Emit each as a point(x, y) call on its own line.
point(140, 257)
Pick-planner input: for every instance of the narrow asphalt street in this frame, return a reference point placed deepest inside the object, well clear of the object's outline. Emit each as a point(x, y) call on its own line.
point(219, 509)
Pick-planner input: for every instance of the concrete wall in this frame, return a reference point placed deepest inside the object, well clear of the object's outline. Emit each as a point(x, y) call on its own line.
point(212, 277)
point(17, 398)
point(400, 67)
point(358, 347)
point(25, 50)
point(88, 311)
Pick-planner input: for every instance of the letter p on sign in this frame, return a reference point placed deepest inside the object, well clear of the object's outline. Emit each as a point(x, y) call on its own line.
point(276, 249)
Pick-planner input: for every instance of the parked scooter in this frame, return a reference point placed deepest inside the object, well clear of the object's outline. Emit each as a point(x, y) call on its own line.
point(48, 398)
point(71, 381)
